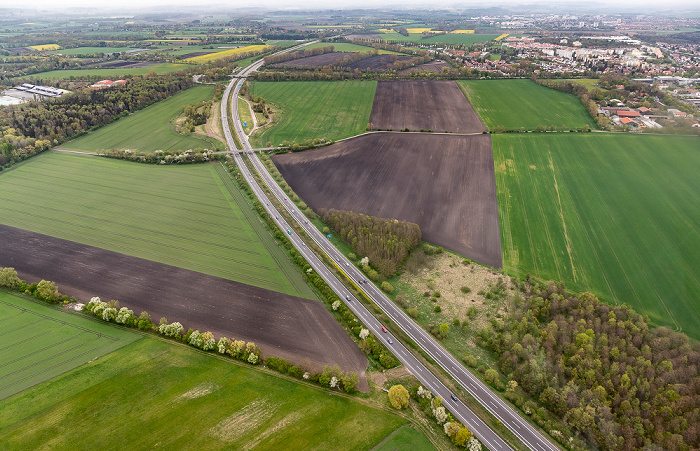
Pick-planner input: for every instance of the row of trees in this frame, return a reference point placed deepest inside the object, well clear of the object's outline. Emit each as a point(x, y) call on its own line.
point(601, 368)
point(303, 53)
point(386, 242)
point(164, 157)
point(33, 127)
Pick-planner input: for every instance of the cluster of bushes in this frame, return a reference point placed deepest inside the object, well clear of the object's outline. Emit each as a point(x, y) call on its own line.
point(196, 114)
point(539, 129)
point(303, 53)
point(386, 242)
point(331, 377)
point(433, 408)
point(311, 143)
point(371, 346)
point(164, 157)
point(601, 368)
point(44, 291)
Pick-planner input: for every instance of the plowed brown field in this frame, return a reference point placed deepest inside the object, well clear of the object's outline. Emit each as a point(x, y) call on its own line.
point(325, 59)
point(300, 330)
point(444, 183)
point(439, 106)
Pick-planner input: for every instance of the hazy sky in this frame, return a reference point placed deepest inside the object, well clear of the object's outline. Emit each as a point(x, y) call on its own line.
point(641, 6)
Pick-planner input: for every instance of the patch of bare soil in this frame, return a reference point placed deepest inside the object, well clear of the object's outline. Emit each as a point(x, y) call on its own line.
point(378, 62)
point(439, 106)
point(443, 183)
point(300, 330)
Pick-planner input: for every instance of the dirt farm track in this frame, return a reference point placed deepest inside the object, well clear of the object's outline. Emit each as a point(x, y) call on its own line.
point(444, 183)
point(300, 330)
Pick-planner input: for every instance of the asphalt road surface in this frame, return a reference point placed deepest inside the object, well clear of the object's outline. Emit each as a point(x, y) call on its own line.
point(532, 438)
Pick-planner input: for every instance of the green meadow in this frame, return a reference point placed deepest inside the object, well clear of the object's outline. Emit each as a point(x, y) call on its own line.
point(154, 394)
point(113, 73)
point(40, 342)
point(190, 216)
point(348, 47)
point(613, 214)
point(150, 129)
point(315, 109)
point(513, 104)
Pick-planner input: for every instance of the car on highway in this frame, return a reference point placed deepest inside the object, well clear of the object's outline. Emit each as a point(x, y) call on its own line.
point(384, 329)
point(347, 298)
point(389, 341)
point(454, 398)
point(365, 281)
point(289, 232)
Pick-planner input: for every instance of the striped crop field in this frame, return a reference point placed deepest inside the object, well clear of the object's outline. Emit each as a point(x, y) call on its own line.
point(614, 214)
point(315, 109)
point(348, 47)
point(232, 52)
point(155, 394)
point(39, 342)
point(150, 129)
point(513, 104)
point(190, 216)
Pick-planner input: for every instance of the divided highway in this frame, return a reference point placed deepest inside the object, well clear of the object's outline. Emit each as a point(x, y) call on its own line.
point(532, 438)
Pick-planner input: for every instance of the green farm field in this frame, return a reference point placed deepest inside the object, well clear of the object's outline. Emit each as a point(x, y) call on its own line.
point(315, 109)
point(190, 216)
point(89, 50)
point(613, 214)
point(348, 47)
point(417, 38)
point(150, 129)
point(405, 438)
point(107, 73)
point(523, 103)
point(157, 394)
point(40, 342)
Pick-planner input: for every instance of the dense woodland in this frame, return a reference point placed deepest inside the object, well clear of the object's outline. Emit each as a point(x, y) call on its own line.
point(303, 53)
point(34, 127)
point(620, 383)
point(386, 242)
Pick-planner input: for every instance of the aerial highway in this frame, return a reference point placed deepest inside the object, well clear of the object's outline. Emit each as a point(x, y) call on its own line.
point(530, 436)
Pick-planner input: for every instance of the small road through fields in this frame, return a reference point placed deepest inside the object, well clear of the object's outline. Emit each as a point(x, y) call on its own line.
point(525, 432)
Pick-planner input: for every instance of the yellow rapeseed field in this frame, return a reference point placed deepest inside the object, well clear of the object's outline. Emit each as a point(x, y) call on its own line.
point(462, 31)
point(419, 30)
point(214, 56)
point(501, 37)
point(43, 47)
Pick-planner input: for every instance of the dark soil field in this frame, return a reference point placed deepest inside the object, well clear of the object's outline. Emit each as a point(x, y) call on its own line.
point(325, 59)
point(127, 64)
point(297, 329)
point(439, 106)
point(193, 54)
point(433, 66)
point(377, 63)
point(444, 183)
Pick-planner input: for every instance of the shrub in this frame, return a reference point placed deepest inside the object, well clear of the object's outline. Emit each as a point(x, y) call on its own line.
point(466, 289)
point(413, 312)
point(387, 287)
point(469, 360)
point(438, 309)
point(9, 279)
point(47, 291)
point(455, 321)
point(352, 256)
point(398, 396)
